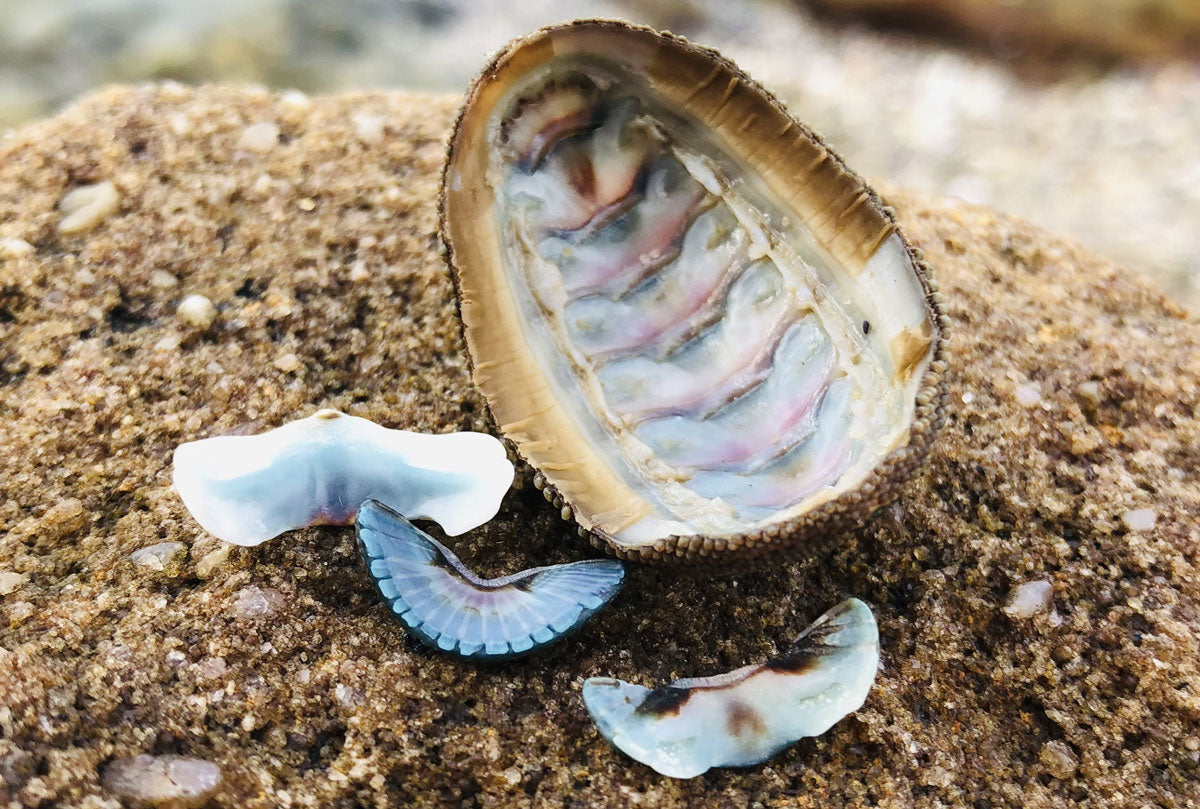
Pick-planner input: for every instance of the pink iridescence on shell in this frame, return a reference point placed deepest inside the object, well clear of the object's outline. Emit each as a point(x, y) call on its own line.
point(687, 332)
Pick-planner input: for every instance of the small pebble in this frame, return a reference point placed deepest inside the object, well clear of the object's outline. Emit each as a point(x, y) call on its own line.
point(307, 204)
point(1059, 759)
point(1140, 519)
point(161, 779)
point(1088, 394)
point(512, 776)
point(168, 342)
point(179, 124)
point(88, 206)
point(1028, 395)
point(1063, 654)
point(15, 248)
point(1029, 599)
point(161, 279)
point(348, 696)
point(257, 602)
point(295, 100)
point(10, 582)
point(211, 669)
point(369, 129)
point(64, 518)
point(197, 311)
point(288, 363)
point(212, 560)
point(261, 137)
point(968, 397)
point(262, 185)
point(165, 556)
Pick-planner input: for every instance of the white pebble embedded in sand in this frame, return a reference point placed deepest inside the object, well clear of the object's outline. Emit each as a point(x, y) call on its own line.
point(15, 248)
point(369, 129)
point(1140, 519)
point(161, 279)
point(211, 668)
point(295, 101)
point(1029, 599)
point(1028, 395)
point(260, 137)
point(197, 311)
point(161, 779)
point(88, 206)
point(258, 602)
point(165, 556)
point(1089, 394)
point(288, 363)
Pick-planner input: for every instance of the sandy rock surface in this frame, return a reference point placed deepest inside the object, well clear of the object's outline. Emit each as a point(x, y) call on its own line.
point(1106, 154)
point(1070, 458)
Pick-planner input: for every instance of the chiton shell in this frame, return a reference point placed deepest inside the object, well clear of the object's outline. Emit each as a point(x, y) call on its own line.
point(704, 331)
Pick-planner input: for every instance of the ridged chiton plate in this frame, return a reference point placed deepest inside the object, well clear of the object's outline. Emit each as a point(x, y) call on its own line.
point(705, 332)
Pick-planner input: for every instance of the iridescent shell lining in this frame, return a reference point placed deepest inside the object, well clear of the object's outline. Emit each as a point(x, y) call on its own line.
point(442, 603)
point(688, 315)
point(691, 320)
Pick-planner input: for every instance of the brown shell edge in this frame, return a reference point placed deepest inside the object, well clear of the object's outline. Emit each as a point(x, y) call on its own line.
point(816, 529)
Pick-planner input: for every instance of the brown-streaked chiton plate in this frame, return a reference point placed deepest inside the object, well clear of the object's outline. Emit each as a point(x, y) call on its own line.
point(705, 333)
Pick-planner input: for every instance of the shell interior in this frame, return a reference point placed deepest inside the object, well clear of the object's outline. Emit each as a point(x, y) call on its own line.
point(682, 333)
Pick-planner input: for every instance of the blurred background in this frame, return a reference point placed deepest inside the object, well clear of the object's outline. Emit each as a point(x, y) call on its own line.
point(1082, 116)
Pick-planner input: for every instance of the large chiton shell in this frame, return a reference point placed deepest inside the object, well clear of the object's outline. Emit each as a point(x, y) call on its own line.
point(702, 329)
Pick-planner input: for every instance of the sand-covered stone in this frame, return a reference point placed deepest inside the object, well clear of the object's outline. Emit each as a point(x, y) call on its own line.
point(323, 247)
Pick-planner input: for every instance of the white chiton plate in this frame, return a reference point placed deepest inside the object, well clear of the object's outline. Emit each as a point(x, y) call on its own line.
point(319, 470)
point(746, 716)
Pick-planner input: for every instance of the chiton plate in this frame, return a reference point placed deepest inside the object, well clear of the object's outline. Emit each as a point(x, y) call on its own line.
point(743, 717)
point(247, 489)
point(707, 334)
point(446, 606)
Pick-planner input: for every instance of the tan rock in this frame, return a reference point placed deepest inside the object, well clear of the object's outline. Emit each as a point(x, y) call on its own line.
point(343, 708)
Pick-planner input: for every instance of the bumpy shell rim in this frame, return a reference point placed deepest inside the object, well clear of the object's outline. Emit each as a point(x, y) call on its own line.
point(815, 530)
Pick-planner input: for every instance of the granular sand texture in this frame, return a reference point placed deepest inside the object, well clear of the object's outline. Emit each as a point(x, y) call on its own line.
point(1070, 458)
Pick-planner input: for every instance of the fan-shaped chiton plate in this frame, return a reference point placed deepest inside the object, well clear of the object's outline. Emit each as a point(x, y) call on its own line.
point(701, 328)
point(744, 717)
point(448, 607)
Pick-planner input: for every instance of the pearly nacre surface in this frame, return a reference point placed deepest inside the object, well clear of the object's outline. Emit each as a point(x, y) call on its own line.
point(686, 313)
point(318, 471)
point(446, 606)
point(748, 715)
